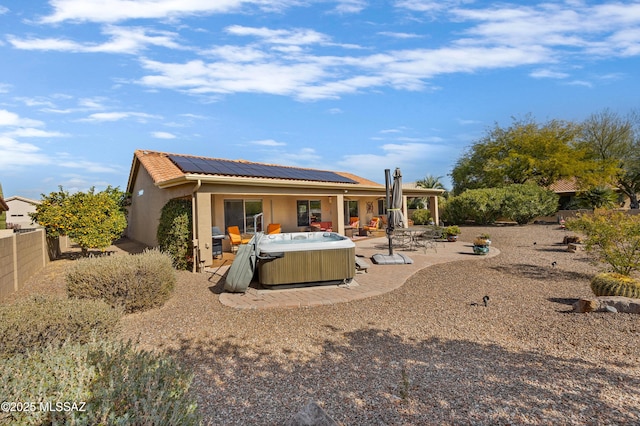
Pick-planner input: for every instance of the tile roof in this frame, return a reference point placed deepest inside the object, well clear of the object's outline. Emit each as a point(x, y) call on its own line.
point(162, 169)
point(564, 185)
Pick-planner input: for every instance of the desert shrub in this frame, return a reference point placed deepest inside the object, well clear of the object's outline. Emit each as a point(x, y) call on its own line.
point(139, 387)
point(483, 206)
point(54, 373)
point(134, 282)
point(175, 230)
point(613, 237)
point(421, 217)
point(43, 321)
point(523, 203)
point(612, 284)
point(119, 384)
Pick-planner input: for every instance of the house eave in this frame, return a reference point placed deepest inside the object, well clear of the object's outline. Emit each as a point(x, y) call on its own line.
point(347, 188)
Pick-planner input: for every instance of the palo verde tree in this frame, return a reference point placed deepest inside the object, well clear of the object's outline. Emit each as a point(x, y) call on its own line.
point(91, 219)
point(612, 141)
point(613, 237)
point(524, 152)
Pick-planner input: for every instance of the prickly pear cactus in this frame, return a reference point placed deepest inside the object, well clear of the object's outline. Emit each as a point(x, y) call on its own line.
point(612, 284)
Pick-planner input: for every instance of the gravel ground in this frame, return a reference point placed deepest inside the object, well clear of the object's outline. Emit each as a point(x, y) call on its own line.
point(419, 355)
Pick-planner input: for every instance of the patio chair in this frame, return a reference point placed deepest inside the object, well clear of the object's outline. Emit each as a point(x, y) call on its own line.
point(354, 221)
point(274, 228)
point(235, 237)
point(373, 225)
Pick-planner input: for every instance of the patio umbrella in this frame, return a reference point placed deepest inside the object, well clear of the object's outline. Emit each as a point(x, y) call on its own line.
point(395, 218)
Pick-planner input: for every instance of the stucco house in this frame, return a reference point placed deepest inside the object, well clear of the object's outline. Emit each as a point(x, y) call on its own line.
point(232, 192)
point(19, 209)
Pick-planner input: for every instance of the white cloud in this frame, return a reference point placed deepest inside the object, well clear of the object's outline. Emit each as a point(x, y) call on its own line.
point(350, 6)
point(298, 36)
point(415, 160)
point(117, 116)
point(11, 119)
point(399, 35)
point(28, 132)
point(120, 10)
point(124, 40)
point(15, 155)
point(4, 87)
point(268, 142)
point(163, 135)
point(546, 73)
point(89, 166)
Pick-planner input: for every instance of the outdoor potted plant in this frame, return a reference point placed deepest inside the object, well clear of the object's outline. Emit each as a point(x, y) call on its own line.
point(480, 245)
point(484, 237)
point(451, 233)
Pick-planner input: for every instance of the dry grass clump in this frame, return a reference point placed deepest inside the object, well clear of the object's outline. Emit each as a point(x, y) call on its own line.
point(41, 321)
point(136, 282)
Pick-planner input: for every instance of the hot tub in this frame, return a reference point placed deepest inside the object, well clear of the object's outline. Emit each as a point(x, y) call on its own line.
point(305, 257)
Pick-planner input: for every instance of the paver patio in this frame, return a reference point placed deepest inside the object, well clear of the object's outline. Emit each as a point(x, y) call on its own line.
point(378, 280)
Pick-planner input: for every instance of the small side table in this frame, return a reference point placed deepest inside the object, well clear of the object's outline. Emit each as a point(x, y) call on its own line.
point(348, 231)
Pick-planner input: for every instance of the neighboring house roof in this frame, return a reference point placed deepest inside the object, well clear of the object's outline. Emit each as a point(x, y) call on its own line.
point(564, 186)
point(26, 200)
point(168, 170)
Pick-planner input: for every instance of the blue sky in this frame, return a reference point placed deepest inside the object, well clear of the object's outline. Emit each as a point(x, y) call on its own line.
point(351, 85)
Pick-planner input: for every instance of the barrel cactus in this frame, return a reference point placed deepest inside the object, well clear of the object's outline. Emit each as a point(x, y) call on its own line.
point(613, 284)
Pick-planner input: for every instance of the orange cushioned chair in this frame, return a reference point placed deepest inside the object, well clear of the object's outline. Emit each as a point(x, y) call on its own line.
point(235, 237)
point(274, 228)
point(373, 225)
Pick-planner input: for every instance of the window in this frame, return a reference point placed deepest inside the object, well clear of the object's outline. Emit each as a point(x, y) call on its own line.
point(241, 213)
point(308, 211)
point(382, 209)
point(350, 210)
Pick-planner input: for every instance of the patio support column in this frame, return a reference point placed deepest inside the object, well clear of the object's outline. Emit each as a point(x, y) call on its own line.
point(203, 223)
point(405, 211)
point(433, 208)
point(338, 223)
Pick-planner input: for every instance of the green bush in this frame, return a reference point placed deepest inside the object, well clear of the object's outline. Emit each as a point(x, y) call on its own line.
point(613, 237)
point(421, 217)
point(112, 383)
point(133, 282)
point(613, 284)
point(175, 232)
point(523, 203)
point(43, 321)
point(520, 203)
point(483, 206)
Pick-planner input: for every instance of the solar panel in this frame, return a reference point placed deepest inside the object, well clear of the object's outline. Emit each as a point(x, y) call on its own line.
point(214, 166)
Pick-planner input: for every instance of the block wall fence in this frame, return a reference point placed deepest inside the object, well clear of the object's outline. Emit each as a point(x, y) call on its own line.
point(21, 256)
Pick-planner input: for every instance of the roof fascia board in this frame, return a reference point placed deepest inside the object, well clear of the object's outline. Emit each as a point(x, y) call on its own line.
point(352, 189)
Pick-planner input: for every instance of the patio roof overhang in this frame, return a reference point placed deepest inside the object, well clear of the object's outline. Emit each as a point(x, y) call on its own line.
point(284, 187)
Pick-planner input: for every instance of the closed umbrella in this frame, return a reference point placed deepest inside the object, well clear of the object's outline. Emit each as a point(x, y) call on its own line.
point(395, 218)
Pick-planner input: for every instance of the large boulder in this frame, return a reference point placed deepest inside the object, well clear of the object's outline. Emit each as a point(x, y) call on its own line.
point(622, 304)
point(606, 303)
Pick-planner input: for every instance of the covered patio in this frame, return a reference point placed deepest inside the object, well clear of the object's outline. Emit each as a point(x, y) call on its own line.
point(251, 196)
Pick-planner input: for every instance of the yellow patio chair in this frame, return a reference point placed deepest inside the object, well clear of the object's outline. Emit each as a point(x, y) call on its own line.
point(236, 237)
